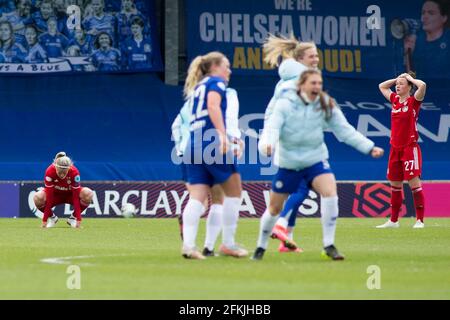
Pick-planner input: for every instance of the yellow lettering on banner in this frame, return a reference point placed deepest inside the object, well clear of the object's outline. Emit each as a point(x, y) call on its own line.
point(346, 61)
point(249, 58)
point(331, 60)
point(320, 52)
point(358, 60)
point(254, 58)
point(239, 60)
point(334, 60)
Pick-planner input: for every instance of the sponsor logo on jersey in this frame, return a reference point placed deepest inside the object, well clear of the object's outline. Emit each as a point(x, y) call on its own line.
point(147, 48)
point(279, 184)
point(49, 179)
point(405, 109)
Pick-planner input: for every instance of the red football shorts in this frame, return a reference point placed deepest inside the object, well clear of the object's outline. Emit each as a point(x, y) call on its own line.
point(62, 198)
point(404, 163)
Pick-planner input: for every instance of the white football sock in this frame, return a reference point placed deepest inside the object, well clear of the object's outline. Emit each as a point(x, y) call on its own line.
point(230, 218)
point(329, 211)
point(290, 233)
point(191, 218)
point(213, 225)
point(282, 221)
point(266, 225)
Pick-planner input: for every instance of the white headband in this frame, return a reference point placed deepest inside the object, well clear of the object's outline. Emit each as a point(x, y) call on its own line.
point(61, 167)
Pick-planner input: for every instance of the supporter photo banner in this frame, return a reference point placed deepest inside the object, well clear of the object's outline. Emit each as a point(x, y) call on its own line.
point(78, 36)
point(356, 39)
point(167, 200)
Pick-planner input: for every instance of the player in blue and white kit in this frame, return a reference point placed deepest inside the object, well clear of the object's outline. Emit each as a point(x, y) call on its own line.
point(6, 6)
point(295, 131)
point(12, 52)
point(19, 19)
point(100, 21)
point(105, 58)
point(210, 163)
point(35, 52)
point(117, 5)
point(40, 18)
point(54, 42)
point(296, 57)
point(125, 19)
point(137, 50)
point(181, 135)
point(83, 42)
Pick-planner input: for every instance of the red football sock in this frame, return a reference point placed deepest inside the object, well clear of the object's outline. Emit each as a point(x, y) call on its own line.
point(396, 203)
point(419, 203)
point(83, 206)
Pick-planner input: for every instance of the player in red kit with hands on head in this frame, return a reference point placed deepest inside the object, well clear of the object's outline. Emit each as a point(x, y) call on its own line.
point(62, 185)
point(405, 158)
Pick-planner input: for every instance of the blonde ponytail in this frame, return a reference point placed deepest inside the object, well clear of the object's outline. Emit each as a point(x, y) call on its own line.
point(282, 47)
point(194, 75)
point(60, 154)
point(62, 161)
point(200, 67)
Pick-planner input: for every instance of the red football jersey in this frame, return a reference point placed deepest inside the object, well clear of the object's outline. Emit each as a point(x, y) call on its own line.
point(404, 121)
point(70, 182)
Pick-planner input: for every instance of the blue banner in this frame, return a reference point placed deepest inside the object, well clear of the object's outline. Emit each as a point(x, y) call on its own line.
point(109, 140)
point(356, 39)
point(78, 36)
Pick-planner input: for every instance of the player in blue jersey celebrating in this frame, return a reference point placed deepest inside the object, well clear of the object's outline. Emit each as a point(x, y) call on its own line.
point(210, 163)
point(54, 42)
point(105, 58)
point(296, 57)
point(181, 136)
point(295, 132)
point(35, 52)
point(137, 50)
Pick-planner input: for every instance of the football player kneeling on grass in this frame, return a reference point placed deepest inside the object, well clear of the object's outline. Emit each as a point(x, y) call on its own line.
point(62, 185)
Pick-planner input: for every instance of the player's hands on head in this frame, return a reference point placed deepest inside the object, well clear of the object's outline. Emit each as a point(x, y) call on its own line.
point(377, 152)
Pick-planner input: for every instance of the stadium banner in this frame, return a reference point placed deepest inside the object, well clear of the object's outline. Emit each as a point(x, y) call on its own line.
point(167, 200)
point(85, 36)
point(9, 200)
point(356, 39)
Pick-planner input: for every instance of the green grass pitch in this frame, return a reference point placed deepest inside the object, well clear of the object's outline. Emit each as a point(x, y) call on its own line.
point(140, 259)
